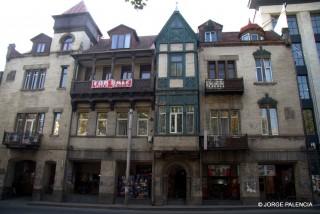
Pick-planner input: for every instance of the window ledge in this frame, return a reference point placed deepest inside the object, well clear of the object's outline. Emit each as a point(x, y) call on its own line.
point(55, 136)
point(265, 83)
point(32, 90)
point(61, 89)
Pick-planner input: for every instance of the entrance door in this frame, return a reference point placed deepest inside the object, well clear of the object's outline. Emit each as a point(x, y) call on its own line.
point(177, 181)
point(23, 178)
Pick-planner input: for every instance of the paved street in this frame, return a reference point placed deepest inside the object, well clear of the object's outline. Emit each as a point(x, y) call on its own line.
point(21, 206)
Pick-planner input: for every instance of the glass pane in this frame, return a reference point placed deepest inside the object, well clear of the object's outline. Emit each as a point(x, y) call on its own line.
point(231, 70)
point(179, 123)
point(82, 127)
point(173, 123)
point(221, 70)
point(56, 124)
point(190, 122)
point(308, 122)
point(114, 41)
point(145, 75)
point(122, 127)
point(102, 128)
point(143, 127)
point(162, 123)
point(127, 41)
point(274, 121)
point(235, 124)
point(120, 41)
point(264, 121)
point(212, 70)
point(224, 123)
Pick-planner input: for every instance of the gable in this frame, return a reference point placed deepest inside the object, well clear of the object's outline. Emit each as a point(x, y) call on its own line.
point(176, 30)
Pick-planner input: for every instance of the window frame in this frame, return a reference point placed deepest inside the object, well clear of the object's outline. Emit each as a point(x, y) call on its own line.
point(268, 115)
point(226, 73)
point(121, 41)
point(118, 124)
point(143, 70)
point(190, 111)
point(34, 79)
point(40, 47)
point(303, 86)
point(263, 69)
point(315, 20)
point(127, 72)
point(210, 36)
point(63, 76)
point(140, 119)
point(79, 122)
point(162, 113)
point(97, 124)
point(307, 128)
point(56, 121)
point(175, 64)
point(297, 54)
point(106, 73)
point(176, 114)
point(67, 43)
point(217, 117)
point(293, 25)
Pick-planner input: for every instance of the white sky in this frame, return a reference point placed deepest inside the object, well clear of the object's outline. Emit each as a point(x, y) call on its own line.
point(21, 20)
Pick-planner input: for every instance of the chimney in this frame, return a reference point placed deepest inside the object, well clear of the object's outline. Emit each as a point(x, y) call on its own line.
point(11, 50)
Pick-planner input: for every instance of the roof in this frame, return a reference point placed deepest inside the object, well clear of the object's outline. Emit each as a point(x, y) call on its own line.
point(255, 4)
point(78, 8)
point(145, 42)
point(210, 22)
point(251, 26)
point(41, 35)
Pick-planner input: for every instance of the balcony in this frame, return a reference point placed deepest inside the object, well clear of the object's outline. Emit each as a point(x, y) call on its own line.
point(110, 90)
point(14, 140)
point(216, 142)
point(224, 86)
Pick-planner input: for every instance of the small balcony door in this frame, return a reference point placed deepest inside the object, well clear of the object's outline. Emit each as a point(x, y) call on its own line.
point(28, 127)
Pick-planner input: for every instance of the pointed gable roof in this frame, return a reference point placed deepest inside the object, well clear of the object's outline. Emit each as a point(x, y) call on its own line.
point(211, 23)
point(41, 36)
point(171, 31)
point(78, 8)
point(123, 28)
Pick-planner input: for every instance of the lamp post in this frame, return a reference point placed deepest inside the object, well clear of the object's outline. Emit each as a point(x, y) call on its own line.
point(126, 190)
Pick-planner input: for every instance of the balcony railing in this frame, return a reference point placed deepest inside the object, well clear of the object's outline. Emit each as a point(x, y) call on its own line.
point(231, 86)
point(14, 140)
point(138, 86)
point(217, 142)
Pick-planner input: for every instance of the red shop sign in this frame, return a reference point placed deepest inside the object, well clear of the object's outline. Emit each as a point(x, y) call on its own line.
point(111, 83)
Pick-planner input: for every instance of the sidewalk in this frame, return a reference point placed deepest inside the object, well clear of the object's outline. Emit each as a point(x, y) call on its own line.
point(157, 208)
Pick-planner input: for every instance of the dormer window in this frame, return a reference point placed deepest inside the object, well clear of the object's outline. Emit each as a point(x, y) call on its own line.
point(210, 36)
point(121, 41)
point(67, 43)
point(251, 37)
point(41, 47)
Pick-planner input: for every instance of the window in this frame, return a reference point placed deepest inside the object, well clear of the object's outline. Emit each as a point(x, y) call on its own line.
point(303, 87)
point(87, 74)
point(176, 119)
point(162, 119)
point(245, 37)
point(315, 19)
point(121, 41)
point(29, 123)
point(269, 121)
point(308, 122)
point(106, 73)
point(82, 124)
point(145, 71)
point(190, 119)
point(263, 69)
point(224, 122)
point(126, 73)
point(251, 37)
point(142, 123)
point(67, 43)
point(41, 47)
point(296, 50)
point(176, 66)
point(34, 79)
point(56, 123)
point(122, 124)
point(63, 77)
point(101, 124)
point(210, 36)
point(221, 70)
point(11, 76)
point(292, 25)
point(318, 49)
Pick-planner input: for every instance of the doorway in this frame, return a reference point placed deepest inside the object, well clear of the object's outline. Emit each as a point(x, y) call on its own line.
point(177, 183)
point(24, 172)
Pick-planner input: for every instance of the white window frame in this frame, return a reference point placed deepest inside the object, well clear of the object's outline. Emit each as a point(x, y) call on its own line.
point(209, 35)
point(97, 124)
point(121, 119)
point(142, 120)
point(162, 113)
point(41, 47)
point(190, 111)
point(265, 64)
point(245, 37)
point(120, 41)
point(175, 115)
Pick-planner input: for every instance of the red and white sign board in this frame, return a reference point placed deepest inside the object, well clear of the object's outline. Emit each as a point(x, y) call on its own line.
point(111, 83)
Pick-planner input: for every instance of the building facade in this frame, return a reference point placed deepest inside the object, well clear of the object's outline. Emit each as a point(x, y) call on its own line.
point(303, 23)
point(208, 116)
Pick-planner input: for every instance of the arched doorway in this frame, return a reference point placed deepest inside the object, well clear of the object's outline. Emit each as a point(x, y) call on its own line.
point(177, 182)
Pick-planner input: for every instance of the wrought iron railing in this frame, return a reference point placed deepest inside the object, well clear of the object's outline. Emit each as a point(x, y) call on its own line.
point(17, 140)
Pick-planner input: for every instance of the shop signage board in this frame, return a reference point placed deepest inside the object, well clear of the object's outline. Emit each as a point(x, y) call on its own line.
point(219, 170)
point(267, 170)
point(111, 83)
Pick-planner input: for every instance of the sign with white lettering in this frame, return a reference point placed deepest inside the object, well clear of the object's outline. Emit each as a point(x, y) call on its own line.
point(111, 83)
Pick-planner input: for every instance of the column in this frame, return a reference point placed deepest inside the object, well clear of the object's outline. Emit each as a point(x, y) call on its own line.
point(302, 181)
point(249, 183)
point(37, 183)
point(59, 180)
point(107, 185)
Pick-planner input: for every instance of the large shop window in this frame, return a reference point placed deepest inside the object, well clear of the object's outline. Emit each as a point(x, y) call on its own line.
point(221, 69)
point(176, 119)
point(143, 119)
point(224, 122)
point(221, 182)
point(29, 123)
point(34, 79)
point(101, 124)
point(82, 124)
point(122, 124)
point(162, 119)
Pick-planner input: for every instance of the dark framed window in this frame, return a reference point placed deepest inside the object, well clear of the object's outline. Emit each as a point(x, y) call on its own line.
point(67, 43)
point(210, 36)
point(221, 70)
point(126, 73)
point(224, 122)
point(176, 65)
point(308, 121)
point(121, 41)
point(145, 71)
point(162, 120)
point(41, 47)
point(303, 87)
point(29, 123)
point(34, 79)
point(106, 73)
point(318, 49)
point(315, 20)
point(63, 77)
point(297, 54)
point(87, 74)
point(293, 25)
point(56, 123)
point(11, 76)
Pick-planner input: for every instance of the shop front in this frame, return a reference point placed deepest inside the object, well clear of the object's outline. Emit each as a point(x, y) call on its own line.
point(220, 182)
point(276, 182)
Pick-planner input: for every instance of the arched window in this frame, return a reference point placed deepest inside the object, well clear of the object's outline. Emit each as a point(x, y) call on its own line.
point(67, 43)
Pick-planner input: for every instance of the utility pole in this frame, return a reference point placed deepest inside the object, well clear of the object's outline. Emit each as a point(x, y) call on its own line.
point(126, 190)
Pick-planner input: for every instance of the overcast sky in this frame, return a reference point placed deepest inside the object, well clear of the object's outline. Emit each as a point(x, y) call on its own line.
point(21, 20)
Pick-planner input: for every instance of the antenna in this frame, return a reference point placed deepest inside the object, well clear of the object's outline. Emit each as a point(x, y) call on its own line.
point(177, 9)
